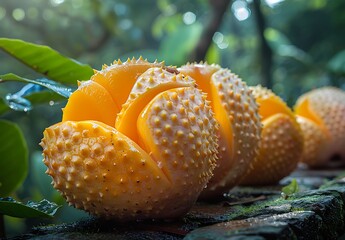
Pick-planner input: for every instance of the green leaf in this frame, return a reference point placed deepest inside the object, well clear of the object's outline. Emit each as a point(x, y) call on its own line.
point(43, 97)
point(275, 37)
point(44, 208)
point(51, 85)
point(3, 107)
point(291, 188)
point(46, 61)
point(177, 46)
point(283, 47)
point(13, 157)
point(213, 54)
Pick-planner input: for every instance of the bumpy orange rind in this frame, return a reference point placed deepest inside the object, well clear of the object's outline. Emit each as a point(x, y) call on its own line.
point(237, 114)
point(281, 141)
point(157, 159)
point(321, 114)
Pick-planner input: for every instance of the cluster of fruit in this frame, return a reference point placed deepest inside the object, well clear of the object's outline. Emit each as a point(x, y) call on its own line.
point(141, 140)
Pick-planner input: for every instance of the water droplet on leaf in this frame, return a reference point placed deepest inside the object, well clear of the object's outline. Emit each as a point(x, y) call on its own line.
point(18, 103)
point(56, 87)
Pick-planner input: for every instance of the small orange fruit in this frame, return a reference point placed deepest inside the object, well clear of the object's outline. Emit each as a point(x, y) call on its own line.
point(321, 114)
point(281, 140)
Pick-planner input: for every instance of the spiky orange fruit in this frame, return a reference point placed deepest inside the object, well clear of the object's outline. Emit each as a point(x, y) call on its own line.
point(155, 161)
point(237, 113)
point(321, 114)
point(281, 140)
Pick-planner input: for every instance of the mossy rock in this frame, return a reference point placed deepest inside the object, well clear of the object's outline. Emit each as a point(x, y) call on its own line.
point(258, 214)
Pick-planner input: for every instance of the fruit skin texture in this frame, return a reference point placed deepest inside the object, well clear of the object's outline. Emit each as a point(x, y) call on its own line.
point(321, 114)
point(315, 151)
point(158, 175)
point(237, 114)
point(281, 141)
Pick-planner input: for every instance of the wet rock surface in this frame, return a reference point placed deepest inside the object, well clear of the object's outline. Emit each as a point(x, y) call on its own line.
point(316, 212)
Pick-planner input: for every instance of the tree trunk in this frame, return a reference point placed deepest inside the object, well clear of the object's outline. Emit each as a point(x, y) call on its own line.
point(219, 8)
point(264, 49)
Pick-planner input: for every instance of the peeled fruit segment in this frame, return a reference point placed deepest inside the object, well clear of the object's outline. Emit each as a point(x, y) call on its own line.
point(147, 86)
point(281, 141)
point(153, 164)
point(203, 72)
point(178, 131)
point(90, 101)
point(120, 77)
point(100, 170)
point(237, 114)
point(269, 103)
point(325, 107)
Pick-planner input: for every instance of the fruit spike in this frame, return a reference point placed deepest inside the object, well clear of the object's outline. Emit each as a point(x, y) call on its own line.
point(324, 108)
point(236, 112)
point(157, 174)
point(281, 141)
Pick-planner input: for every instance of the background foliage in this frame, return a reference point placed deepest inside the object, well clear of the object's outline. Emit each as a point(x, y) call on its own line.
point(291, 46)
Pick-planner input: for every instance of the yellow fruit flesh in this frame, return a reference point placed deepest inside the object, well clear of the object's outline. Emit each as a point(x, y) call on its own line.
point(302, 108)
point(119, 79)
point(222, 117)
point(127, 123)
point(145, 89)
point(202, 74)
point(272, 105)
point(226, 139)
point(90, 101)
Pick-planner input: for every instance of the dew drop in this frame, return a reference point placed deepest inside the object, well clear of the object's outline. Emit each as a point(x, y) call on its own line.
point(56, 87)
point(18, 103)
point(51, 103)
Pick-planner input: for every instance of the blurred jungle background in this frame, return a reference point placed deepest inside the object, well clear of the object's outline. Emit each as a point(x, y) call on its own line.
point(290, 46)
